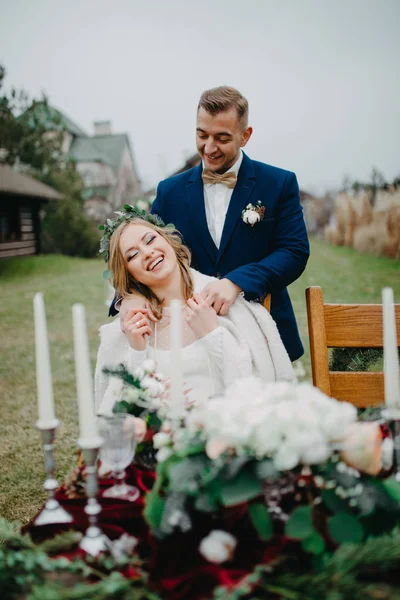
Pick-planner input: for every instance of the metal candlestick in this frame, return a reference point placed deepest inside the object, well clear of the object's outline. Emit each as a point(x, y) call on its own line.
point(393, 419)
point(94, 540)
point(53, 512)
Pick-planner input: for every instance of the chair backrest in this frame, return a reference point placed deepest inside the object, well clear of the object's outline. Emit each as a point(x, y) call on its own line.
point(267, 302)
point(345, 326)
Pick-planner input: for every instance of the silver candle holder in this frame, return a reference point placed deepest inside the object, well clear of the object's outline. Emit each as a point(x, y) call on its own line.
point(94, 540)
point(392, 417)
point(53, 512)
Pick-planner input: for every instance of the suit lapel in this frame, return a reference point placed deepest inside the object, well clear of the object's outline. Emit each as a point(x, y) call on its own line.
point(197, 212)
point(239, 200)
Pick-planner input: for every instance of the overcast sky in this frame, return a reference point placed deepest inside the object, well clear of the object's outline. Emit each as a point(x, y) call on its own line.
point(321, 76)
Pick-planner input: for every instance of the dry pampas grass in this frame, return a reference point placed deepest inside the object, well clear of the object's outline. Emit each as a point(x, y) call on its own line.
point(369, 229)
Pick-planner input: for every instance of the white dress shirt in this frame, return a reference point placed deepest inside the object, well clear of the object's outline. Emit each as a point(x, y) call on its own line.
point(216, 201)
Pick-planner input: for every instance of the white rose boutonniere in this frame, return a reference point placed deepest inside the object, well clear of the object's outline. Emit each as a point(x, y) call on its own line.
point(252, 214)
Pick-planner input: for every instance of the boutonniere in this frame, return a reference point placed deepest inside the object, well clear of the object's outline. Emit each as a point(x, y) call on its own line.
point(252, 214)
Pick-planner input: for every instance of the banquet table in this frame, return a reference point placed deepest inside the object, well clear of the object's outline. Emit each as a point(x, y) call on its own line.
point(176, 568)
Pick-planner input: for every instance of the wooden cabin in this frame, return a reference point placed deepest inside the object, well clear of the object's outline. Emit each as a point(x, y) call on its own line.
point(21, 198)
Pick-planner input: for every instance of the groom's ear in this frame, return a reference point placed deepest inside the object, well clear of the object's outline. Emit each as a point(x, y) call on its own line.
point(246, 136)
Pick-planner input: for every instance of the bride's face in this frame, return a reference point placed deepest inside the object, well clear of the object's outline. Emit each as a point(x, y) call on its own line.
point(149, 258)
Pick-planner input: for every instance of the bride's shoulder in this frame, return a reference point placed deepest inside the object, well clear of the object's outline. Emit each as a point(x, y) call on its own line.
point(200, 280)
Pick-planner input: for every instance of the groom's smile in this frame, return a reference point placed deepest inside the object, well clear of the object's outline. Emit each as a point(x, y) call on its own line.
point(219, 138)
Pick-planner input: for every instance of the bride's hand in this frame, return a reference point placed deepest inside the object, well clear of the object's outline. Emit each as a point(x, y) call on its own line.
point(136, 326)
point(201, 318)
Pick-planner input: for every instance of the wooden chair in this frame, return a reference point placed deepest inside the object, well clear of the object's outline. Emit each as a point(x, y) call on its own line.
point(267, 302)
point(345, 326)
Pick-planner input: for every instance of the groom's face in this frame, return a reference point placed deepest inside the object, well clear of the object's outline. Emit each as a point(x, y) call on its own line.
point(219, 138)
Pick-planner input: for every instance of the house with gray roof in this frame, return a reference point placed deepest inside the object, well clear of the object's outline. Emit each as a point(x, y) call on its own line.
point(105, 160)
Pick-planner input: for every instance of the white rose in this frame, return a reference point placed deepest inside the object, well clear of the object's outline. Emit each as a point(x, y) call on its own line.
point(315, 450)
point(387, 453)
point(218, 546)
point(138, 373)
point(161, 439)
point(266, 437)
point(337, 419)
point(151, 386)
point(163, 454)
point(149, 365)
point(286, 457)
point(251, 217)
point(132, 394)
point(142, 205)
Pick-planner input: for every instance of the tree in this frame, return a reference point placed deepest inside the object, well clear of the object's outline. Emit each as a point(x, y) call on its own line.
point(31, 138)
point(24, 139)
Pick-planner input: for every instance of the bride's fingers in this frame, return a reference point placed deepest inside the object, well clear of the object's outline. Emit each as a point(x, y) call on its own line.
point(140, 331)
point(224, 309)
point(150, 314)
point(192, 304)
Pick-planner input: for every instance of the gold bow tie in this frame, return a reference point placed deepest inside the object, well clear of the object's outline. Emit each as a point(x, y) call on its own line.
point(228, 179)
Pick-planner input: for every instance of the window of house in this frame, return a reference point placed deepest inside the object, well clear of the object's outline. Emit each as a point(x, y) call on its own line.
point(10, 227)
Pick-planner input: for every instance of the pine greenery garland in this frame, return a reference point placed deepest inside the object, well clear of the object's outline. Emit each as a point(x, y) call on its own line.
point(353, 572)
point(354, 359)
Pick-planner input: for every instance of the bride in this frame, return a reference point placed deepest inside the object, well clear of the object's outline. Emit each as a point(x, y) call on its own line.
point(150, 267)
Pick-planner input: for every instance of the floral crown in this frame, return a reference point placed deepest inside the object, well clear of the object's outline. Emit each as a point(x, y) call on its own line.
point(127, 213)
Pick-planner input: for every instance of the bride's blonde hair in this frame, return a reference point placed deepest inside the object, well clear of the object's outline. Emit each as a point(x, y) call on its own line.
point(125, 284)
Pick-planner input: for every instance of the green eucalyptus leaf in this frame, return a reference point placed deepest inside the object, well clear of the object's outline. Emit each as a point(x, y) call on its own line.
point(261, 520)
point(392, 487)
point(333, 502)
point(299, 525)
point(345, 528)
point(265, 469)
point(154, 509)
point(107, 274)
point(243, 488)
point(314, 544)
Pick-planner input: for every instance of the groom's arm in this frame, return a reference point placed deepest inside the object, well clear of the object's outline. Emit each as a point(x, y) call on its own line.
point(289, 258)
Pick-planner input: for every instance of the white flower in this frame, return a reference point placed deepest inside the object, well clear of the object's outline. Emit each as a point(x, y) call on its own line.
point(163, 454)
point(132, 394)
point(251, 217)
point(161, 439)
point(316, 451)
point(267, 436)
point(142, 204)
point(218, 547)
point(151, 386)
point(149, 365)
point(138, 373)
point(337, 419)
point(387, 453)
point(286, 457)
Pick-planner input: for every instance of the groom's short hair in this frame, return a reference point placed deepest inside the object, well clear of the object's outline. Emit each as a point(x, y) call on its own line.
point(222, 98)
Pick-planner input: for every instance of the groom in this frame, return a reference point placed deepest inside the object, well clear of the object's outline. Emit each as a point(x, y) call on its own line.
point(241, 219)
point(258, 251)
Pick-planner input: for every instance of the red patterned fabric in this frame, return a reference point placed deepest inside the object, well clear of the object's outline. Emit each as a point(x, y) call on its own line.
point(176, 568)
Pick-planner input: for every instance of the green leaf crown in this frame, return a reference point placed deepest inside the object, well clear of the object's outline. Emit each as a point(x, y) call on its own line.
point(127, 213)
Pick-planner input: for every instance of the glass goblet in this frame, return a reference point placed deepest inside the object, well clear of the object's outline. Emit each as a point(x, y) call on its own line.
point(117, 452)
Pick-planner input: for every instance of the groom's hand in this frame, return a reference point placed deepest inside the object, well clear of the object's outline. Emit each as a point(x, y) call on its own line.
point(220, 295)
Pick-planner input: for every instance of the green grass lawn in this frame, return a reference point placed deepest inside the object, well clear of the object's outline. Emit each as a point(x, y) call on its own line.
point(345, 276)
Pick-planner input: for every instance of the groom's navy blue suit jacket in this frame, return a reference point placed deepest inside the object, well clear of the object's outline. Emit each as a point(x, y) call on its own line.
point(261, 259)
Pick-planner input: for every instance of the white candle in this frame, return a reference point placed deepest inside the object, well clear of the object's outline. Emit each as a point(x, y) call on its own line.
point(177, 396)
point(88, 435)
point(390, 355)
point(43, 370)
